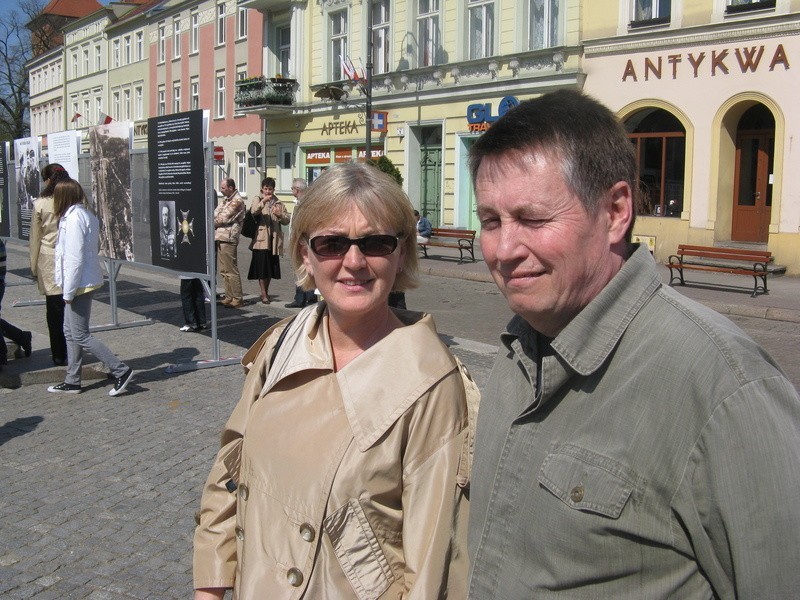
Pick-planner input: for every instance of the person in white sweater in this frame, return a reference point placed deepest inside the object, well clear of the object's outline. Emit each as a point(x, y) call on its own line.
point(78, 274)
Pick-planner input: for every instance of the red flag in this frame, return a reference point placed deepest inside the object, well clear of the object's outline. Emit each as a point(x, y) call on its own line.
point(76, 117)
point(104, 119)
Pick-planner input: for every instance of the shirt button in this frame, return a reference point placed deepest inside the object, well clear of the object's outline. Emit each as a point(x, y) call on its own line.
point(239, 533)
point(294, 577)
point(307, 532)
point(576, 493)
point(243, 492)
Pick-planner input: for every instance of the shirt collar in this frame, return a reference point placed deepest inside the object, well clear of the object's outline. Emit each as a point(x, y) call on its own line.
point(586, 342)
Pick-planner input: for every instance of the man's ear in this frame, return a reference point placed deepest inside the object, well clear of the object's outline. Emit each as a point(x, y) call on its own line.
point(619, 207)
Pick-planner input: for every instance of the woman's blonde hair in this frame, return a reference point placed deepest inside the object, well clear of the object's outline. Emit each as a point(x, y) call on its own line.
point(376, 195)
point(65, 194)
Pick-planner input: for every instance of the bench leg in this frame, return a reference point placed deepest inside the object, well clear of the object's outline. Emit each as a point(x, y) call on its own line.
point(756, 286)
point(679, 276)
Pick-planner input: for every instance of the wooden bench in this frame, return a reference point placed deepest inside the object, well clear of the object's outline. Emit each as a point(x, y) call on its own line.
point(462, 239)
point(734, 261)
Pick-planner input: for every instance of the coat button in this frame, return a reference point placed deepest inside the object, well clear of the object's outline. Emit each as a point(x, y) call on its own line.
point(307, 532)
point(576, 493)
point(243, 492)
point(239, 533)
point(294, 577)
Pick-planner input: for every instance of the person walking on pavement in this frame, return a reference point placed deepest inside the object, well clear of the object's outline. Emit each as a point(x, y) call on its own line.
point(15, 334)
point(301, 297)
point(228, 218)
point(78, 274)
point(267, 245)
point(42, 244)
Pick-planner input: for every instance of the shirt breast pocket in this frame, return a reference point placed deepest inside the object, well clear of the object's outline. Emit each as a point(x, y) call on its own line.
point(590, 482)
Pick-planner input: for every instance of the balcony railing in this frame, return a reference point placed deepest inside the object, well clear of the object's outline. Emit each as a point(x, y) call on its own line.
point(260, 91)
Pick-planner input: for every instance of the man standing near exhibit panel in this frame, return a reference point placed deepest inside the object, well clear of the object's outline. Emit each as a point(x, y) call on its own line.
point(228, 217)
point(631, 443)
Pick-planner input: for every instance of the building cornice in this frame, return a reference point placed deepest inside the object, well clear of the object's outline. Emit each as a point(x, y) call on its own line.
point(728, 32)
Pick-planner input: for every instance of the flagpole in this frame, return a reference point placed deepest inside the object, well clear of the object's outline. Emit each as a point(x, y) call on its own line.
point(369, 81)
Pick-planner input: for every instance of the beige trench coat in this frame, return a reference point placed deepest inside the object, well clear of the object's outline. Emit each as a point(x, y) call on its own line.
point(42, 244)
point(270, 234)
point(347, 487)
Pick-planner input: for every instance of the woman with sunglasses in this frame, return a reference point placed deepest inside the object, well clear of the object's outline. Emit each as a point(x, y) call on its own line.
point(340, 469)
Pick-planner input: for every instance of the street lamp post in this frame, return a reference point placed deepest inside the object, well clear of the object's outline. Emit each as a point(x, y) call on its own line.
point(368, 90)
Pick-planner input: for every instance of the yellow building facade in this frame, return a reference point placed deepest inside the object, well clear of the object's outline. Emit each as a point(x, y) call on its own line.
point(704, 87)
point(707, 92)
point(443, 70)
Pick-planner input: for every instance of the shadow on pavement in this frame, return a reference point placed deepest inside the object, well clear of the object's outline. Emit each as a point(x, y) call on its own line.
point(17, 427)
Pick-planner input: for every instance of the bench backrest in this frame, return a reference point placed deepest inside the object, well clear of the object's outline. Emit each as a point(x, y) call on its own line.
point(460, 233)
point(726, 253)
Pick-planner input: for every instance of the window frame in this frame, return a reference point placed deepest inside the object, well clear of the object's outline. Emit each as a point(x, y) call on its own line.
point(241, 171)
point(219, 94)
point(162, 42)
point(241, 23)
point(115, 54)
point(220, 24)
point(194, 31)
point(654, 15)
point(139, 42)
point(138, 99)
point(283, 51)
point(176, 96)
point(338, 42)
point(381, 36)
point(485, 47)
point(176, 37)
point(552, 32)
point(428, 45)
point(162, 100)
point(735, 9)
point(126, 50)
point(194, 93)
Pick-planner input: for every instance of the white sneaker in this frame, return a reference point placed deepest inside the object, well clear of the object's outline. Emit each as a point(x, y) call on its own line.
point(186, 328)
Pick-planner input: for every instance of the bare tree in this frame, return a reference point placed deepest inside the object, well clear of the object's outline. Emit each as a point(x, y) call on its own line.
point(15, 52)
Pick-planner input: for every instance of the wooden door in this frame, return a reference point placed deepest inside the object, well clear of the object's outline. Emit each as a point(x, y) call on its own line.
point(752, 194)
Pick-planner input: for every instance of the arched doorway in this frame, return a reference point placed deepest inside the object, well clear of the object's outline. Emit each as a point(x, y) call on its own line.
point(752, 187)
point(660, 142)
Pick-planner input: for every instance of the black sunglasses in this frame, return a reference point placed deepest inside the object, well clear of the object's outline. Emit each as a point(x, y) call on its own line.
point(338, 245)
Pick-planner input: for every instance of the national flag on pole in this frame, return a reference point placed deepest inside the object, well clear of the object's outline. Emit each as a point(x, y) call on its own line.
point(104, 119)
point(348, 69)
point(76, 117)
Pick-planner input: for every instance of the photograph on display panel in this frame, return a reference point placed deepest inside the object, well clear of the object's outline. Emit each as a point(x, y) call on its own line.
point(110, 159)
point(26, 156)
point(5, 217)
point(178, 191)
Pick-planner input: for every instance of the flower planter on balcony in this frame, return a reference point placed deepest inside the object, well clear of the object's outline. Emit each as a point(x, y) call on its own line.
point(259, 91)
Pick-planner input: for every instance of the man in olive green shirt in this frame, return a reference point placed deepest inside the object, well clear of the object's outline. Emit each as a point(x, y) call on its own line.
point(631, 443)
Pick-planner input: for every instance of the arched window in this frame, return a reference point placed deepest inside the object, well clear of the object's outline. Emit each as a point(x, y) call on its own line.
point(660, 142)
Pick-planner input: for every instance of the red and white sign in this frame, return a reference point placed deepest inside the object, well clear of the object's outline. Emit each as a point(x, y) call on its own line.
point(219, 154)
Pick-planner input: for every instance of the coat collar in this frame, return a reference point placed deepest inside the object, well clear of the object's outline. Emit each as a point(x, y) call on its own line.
point(379, 385)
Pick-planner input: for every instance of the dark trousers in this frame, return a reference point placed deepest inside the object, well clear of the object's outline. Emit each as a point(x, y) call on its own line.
point(7, 330)
point(55, 326)
point(194, 304)
point(303, 297)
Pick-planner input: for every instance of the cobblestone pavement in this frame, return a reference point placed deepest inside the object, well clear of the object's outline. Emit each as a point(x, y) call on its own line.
point(99, 493)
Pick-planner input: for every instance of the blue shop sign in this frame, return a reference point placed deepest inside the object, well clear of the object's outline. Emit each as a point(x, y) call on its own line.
point(480, 117)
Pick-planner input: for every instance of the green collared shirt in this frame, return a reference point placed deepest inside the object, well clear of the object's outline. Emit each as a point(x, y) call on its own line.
point(659, 459)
